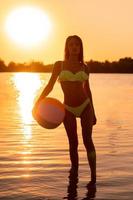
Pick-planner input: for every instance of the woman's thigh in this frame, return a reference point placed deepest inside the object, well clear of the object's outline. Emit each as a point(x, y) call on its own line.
point(70, 125)
point(87, 125)
point(87, 122)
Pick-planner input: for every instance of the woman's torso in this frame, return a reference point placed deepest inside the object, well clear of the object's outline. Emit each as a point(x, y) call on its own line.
point(72, 78)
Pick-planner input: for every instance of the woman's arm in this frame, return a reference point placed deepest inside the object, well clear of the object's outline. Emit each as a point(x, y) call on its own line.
point(88, 93)
point(48, 88)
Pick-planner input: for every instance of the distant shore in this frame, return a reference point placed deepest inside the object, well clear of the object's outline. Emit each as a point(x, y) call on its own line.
point(124, 65)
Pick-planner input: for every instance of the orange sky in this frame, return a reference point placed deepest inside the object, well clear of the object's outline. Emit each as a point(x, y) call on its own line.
point(105, 27)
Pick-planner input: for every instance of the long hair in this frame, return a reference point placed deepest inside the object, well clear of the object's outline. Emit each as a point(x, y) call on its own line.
point(80, 57)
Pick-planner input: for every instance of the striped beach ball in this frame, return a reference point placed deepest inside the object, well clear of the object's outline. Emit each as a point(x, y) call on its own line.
point(49, 112)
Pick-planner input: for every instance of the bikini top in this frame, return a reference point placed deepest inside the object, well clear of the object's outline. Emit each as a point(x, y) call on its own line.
point(66, 75)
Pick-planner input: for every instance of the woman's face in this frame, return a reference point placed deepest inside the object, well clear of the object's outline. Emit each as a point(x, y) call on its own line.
point(74, 46)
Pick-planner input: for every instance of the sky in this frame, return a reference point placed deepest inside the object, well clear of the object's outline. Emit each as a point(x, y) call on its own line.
point(105, 27)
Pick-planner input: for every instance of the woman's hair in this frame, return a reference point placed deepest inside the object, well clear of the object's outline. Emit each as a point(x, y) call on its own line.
point(80, 57)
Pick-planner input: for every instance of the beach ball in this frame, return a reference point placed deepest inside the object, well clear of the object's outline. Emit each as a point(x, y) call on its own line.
point(49, 112)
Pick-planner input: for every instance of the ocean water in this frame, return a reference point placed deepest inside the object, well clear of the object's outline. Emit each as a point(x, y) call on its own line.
point(34, 162)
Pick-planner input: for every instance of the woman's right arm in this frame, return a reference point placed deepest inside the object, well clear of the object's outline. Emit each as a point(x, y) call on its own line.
point(48, 88)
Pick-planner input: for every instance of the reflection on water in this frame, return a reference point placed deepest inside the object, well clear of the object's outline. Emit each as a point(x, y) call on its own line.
point(72, 193)
point(72, 185)
point(27, 86)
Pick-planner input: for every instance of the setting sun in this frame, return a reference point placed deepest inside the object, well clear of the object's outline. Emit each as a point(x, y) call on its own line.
point(28, 26)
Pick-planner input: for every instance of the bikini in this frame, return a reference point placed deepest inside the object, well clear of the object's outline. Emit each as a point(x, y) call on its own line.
point(66, 75)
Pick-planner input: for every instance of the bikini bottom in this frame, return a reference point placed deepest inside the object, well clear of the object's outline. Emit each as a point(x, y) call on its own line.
point(77, 111)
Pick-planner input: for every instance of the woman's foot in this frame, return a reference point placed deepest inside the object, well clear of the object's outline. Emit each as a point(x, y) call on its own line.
point(91, 190)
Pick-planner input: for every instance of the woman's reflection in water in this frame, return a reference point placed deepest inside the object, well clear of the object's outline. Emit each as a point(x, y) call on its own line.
point(73, 185)
point(91, 192)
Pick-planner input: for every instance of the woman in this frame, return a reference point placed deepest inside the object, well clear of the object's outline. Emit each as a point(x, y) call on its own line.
point(73, 75)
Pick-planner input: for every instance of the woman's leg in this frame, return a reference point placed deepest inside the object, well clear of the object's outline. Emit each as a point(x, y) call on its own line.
point(71, 129)
point(87, 124)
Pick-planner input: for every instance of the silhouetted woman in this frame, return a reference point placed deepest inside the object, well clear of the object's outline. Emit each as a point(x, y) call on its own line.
point(73, 75)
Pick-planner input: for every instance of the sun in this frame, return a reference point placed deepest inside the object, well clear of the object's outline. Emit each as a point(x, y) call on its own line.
point(28, 26)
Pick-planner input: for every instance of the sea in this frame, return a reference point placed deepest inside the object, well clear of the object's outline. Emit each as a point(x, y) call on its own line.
point(34, 161)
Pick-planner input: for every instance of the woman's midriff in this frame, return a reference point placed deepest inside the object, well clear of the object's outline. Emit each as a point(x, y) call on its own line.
point(74, 93)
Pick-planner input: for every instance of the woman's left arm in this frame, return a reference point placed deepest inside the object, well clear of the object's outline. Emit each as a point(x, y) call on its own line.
point(89, 94)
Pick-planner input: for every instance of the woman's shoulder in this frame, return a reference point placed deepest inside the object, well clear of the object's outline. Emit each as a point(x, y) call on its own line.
point(87, 68)
point(57, 65)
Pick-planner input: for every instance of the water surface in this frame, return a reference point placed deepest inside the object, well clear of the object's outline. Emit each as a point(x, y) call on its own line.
point(34, 162)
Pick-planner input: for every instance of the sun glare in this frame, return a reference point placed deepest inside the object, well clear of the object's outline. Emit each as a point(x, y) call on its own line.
point(28, 26)
point(27, 85)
